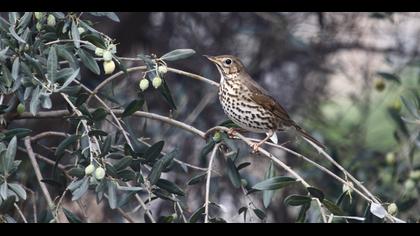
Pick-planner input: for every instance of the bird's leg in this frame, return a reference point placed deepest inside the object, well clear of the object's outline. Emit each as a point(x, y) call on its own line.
point(232, 132)
point(255, 146)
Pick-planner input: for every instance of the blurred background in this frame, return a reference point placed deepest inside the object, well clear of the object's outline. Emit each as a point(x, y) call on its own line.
point(340, 75)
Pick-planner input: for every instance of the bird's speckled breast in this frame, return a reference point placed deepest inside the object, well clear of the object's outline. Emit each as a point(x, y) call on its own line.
point(241, 109)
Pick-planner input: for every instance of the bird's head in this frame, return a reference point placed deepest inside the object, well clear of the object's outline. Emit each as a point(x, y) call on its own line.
point(229, 66)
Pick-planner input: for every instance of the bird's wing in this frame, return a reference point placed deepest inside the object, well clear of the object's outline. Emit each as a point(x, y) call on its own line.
point(261, 97)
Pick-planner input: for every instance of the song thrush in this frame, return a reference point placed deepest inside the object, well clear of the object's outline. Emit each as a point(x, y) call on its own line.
point(248, 105)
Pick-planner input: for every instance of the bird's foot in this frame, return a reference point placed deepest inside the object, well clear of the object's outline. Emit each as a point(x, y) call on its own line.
point(255, 147)
point(232, 132)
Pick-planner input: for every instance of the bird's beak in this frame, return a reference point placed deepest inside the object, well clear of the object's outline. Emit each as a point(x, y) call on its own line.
point(213, 59)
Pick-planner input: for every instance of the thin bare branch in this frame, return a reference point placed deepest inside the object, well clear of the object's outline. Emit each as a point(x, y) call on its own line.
point(20, 213)
point(38, 174)
point(126, 216)
point(207, 202)
point(48, 133)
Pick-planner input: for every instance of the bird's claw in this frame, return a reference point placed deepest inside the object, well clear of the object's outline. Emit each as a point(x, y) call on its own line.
point(255, 147)
point(231, 133)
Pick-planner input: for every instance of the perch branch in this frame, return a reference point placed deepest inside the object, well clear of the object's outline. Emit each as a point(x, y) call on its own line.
point(206, 203)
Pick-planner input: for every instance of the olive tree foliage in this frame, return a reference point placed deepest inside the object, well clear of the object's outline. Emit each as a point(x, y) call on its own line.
point(41, 57)
point(44, 59)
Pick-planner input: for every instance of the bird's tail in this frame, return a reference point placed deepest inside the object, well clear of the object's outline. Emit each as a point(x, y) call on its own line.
point(306, 135)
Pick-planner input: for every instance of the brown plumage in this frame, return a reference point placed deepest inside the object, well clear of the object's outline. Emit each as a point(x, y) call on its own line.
point(248, 104)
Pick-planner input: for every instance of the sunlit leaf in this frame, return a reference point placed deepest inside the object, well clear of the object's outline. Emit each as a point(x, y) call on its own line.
point(177, 54)
point(112, 194)
point(75, 34)
point(274, 183)
point(52, 64)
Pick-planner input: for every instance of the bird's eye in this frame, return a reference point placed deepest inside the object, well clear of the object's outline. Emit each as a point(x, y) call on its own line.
point(228, 61)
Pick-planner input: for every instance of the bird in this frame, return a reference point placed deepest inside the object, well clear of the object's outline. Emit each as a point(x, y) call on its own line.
point(249, 105)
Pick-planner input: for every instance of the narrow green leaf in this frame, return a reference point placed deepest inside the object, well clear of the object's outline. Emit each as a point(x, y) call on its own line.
point(410, 107)
point(15, 68)
point(274, 183)
point(259, 213)
point(169, 157)
point(332, 207)
point(153, 152)
point(64, 53)
point(243, 210)
point(35, 65)
point(75, 184)
point(111, 170)
point(72, 218)
point(268, 194)
point(18, 132)
point(66, 143)
point(52, 64)
point(18, 189)
point(69, 80)
point(400, 123)
point(15, 35)
point(126, 175)
point(99, 114)
point(97, 133)
point(132, 188)
point(34, 104)
point(7, 78)
point(302, 213)
point(341, 197)
point(3, 55)
point(63, 74)
point(75, 34)
point(24, 20)
point(234, 176)
point(46, 101)
point(207, 148)
point(110, 15)
point(123, 163)
point(177, 54)
point(243, 165)
point(197, 179)
point(389, 76)
point(112, 194)
point(156, 172)
point(297, 200)
point(166, 93)
point(13, 17)
point(133, 107)
point(10, 154)
point(89, 61)
point(76, 172)
point(106, 146)
point(197, 215)
point(3, 190)
point(81, 190)
point(316, 193)
point(170, 187)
